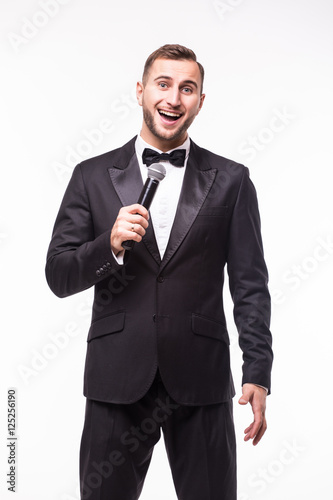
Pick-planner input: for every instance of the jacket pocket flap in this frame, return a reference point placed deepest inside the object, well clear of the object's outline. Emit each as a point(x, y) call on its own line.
point(105, 326)
point(202, 325)
point(219, 211)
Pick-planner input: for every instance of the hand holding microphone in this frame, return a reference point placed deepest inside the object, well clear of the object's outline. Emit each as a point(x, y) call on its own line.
point(132, 221)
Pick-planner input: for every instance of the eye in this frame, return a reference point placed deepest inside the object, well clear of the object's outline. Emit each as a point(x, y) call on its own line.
point(163, 85)
point(187, 90)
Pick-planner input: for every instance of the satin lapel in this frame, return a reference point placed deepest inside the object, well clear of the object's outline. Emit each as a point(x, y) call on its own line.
point(127, 182)
point(198, 180)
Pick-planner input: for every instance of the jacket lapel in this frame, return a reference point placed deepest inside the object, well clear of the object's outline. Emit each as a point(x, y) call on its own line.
point(198, 180)
point(127, 182)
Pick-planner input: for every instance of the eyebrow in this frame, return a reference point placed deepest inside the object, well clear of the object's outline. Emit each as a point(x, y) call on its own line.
point(166, 77)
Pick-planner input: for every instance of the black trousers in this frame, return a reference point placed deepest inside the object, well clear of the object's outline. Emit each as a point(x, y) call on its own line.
point(118, 440)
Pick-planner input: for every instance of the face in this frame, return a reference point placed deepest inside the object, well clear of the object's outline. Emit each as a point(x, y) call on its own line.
point(170, 98)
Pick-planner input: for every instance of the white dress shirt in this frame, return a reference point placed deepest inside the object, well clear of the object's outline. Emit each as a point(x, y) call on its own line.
point(164, 205)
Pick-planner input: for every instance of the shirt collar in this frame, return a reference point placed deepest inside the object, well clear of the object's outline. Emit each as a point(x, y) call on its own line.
point(140, 145)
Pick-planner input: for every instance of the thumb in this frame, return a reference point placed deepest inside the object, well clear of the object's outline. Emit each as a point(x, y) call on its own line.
point(243, 400)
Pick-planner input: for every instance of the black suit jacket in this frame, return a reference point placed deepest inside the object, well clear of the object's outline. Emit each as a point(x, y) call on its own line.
point(167, 313)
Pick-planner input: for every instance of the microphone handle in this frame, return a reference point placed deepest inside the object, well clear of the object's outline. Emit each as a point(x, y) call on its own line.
point(145, 199)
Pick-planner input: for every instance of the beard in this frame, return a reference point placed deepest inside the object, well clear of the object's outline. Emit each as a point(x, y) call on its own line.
point(149, 121)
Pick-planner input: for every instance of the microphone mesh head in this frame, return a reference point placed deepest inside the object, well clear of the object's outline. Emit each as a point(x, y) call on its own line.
point(156, 171)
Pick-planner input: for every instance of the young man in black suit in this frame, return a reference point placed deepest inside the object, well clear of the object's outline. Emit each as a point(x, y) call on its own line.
point(158, 346)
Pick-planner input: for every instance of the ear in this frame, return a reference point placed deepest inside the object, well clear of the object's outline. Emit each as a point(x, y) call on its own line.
point(202, 98)
point(139, 92)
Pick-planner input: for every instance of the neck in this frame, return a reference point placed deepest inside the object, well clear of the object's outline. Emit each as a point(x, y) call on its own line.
point(162, 144)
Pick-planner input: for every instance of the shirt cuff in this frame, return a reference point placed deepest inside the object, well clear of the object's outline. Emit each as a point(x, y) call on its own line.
point(262, 387)
point(258, 385)
point(119, 257)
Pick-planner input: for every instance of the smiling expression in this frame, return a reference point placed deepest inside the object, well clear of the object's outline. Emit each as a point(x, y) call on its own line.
point(170, 98)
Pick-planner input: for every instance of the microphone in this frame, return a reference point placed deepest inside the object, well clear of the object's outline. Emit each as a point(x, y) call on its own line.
point(156, 173)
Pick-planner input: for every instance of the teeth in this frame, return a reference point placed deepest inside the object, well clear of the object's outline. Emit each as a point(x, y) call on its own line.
point(168, 113)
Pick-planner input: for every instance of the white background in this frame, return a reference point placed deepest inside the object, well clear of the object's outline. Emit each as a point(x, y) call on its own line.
point(65, 72)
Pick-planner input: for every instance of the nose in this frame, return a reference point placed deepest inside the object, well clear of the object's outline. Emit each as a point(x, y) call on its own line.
point(173, 97)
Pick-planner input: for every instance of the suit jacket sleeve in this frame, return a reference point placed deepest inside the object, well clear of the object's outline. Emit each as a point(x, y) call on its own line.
point(248, 280)
point(77, 258)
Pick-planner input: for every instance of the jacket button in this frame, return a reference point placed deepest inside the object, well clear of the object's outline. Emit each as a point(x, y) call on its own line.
point(160, 279)
point(98, 273)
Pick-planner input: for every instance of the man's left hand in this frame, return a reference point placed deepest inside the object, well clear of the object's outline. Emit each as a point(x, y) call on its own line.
point(256, 396)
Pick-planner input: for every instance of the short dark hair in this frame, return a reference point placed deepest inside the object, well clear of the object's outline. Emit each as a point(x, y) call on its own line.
point(175, 52)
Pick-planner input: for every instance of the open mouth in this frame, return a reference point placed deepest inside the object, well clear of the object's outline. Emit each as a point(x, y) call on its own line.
point(169, 116)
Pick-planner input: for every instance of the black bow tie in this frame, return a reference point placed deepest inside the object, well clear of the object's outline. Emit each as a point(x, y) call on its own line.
point(176, 157)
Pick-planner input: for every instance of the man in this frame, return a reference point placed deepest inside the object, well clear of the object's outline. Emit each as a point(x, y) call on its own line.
point(158, 346)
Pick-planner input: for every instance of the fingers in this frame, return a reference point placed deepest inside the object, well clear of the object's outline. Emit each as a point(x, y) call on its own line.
point(256, 432)
point(137, 229)
point(257, 429)
point(256, 396)
point(135, 209)
point(260, 433)
point(131, 224)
